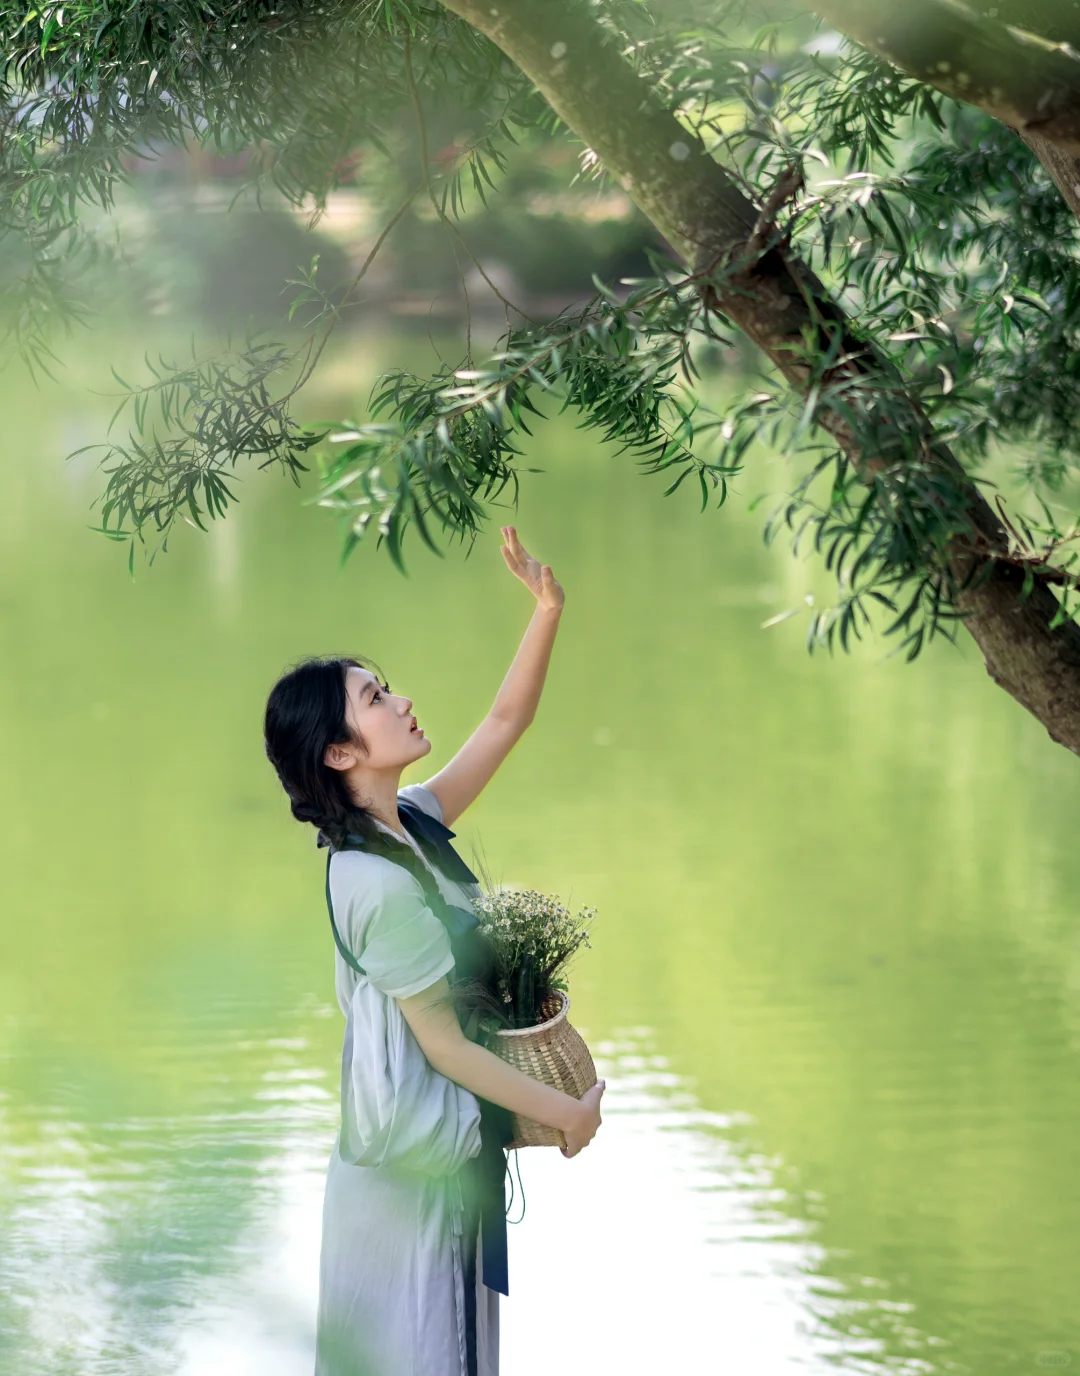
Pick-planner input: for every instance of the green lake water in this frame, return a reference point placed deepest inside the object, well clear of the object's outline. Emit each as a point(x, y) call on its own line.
point(835, 981)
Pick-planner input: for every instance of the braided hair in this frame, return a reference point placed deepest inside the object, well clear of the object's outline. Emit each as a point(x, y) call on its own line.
point(305, 714)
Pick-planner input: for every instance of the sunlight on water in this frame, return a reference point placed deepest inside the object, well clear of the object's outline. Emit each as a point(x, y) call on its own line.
point(835, 982)
point(702, 1269)
point(687, 1224)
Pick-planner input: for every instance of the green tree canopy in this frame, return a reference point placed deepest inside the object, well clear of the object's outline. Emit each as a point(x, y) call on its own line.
point(888, 218)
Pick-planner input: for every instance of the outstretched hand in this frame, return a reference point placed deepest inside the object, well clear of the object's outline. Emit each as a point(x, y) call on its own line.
point(537, 577)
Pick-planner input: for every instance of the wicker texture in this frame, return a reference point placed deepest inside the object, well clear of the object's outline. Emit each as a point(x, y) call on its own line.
point(553, 1053)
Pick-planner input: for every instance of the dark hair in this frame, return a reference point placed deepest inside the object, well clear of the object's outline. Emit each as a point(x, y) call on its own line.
point(305, 714)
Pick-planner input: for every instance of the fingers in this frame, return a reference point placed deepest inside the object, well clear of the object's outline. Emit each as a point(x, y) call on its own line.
point(539, 578)
point(591, 1097)
point(510, 535)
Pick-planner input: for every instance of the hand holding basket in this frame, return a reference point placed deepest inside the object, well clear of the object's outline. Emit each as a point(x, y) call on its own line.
point(552, 1052)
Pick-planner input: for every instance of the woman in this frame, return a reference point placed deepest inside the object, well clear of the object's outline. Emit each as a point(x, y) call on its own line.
point(413, 1246)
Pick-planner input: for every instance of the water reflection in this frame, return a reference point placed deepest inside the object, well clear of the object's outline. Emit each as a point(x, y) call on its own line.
point(122, 1236)
point(838, 896)
point(703, 1264)
point(707, 1264)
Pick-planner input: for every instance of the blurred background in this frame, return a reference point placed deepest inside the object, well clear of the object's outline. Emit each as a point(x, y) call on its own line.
point(835, 983)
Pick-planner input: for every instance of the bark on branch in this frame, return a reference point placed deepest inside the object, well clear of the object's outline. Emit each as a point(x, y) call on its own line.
point(1027, 81)
point(1028, 76)
point(775, 299)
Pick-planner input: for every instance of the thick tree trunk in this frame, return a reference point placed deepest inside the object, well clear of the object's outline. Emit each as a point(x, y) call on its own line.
point(668, 173)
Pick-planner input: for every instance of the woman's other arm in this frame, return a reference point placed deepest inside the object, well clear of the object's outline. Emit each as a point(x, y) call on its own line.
point(461, 781)
point(434, 1023)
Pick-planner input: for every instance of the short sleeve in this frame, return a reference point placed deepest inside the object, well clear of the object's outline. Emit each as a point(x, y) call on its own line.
point(401, 944)
point(424, 799)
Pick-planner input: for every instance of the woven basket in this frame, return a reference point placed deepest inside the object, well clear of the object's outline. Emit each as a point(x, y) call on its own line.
point(553, 1053)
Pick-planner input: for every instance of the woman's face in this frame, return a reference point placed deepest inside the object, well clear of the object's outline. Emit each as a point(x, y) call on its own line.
point(384, 720)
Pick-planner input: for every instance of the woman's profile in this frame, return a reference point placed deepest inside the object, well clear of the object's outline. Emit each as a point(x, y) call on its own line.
point(413, 1245)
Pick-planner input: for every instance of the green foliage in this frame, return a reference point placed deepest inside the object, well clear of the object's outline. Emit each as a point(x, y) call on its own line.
point(961, 266)
point(451, 438)
point(86, 87)
point(214, 412)
point(950, 249)
point(935, 229)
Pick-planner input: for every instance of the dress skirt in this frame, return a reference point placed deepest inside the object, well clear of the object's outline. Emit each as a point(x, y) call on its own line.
point(398, 1261)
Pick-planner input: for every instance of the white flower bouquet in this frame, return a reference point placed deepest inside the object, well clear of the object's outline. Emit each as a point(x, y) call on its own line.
point(520, 1012)
point(534, 938)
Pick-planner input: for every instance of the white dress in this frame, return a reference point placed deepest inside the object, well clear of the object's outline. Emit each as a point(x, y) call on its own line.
point(395, 1256)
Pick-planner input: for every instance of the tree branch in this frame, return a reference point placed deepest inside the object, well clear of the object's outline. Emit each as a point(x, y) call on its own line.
point(1029, 82)
point(1028, 77)
point(780, 305)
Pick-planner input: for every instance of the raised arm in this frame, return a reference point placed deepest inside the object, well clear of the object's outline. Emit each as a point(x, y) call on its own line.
point(461, 781)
